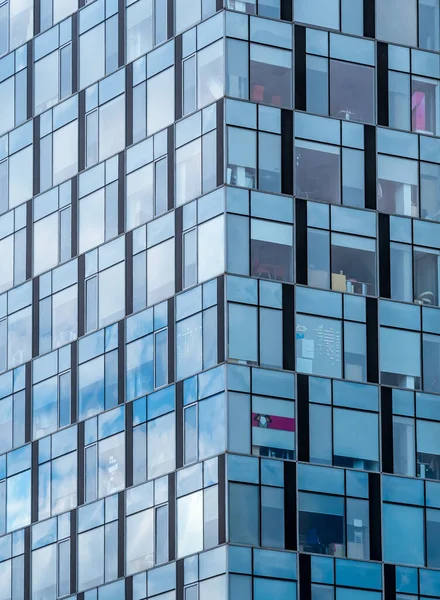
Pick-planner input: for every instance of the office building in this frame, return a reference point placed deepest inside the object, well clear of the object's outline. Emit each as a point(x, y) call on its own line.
point(219, 299)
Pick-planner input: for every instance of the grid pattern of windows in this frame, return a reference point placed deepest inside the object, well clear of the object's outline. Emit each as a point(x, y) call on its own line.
point(219, 299)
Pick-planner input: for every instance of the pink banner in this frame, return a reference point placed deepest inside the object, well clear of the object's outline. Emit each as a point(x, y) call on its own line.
point(273, 422)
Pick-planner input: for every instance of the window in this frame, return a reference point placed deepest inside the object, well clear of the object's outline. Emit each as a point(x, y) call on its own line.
point(356, 439)
point(160, 272)
point(401, 523)
point(428, 449)
point(271, 250)
point(429, 191)
point(317, 171)
point(397, 187)
point(244, 514)
point(323, 13)
point(353, 262)
point(352, 94)
point(400, 358)
point(139, 18)
point(140, 541)
point(190, 524)
point(271, 75)
point(161, 445)
point(97, 373)
point(92, 55)
point(242, 157)
point(396, 21)
point(426, 282)
point(210, 76)
point(321, 524)
point(319, 346)
point(429, 19)
point(160, 106)
point(425, 106)
point(273, 427)
point(399, 100)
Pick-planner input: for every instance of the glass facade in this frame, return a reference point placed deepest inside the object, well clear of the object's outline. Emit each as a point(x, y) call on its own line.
point(220, 299)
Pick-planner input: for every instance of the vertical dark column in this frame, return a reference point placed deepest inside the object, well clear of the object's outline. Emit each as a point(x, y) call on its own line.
point(128, 588)
point(172, 516)
point(220, 139)
point(178, 248)
point(73, 381)
point(29, 238)
point(35, 316)
point(28, 402)
point(375, 516)
point(75, 18)
point(180, 579)
point(129, 273)
point(372, 341)
point(384, 255)
point(290, 508)
point(170, 166)
point(389, 582)
point(382, 84)
point(370, 166)
point(37, 12)
point(222, 499)
point(386, 400)
point(221, 320)
point(179, 425)
point(27, 563)
point(302, 427)
point(300, 68)
point(36, 145)
point(305, 576)
point(121, 32)
point(171, 340)
point(81, 294)
point(73, 550)
point(301, 241)
point(129, 104)
point(288, 328)
point(121, 190)
point(81, 463)
point(170, 18)
point(82, 131)
point(129, 444)
point(178, 66)
point(286, 10)
point(74, 218)
point(30, 80)
point(34, 487)
point(287, 152)
point(369, 18)
point(121, 529)
point(121, 362)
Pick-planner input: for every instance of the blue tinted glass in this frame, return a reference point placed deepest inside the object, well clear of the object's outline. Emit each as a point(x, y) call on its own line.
point(406, 580)
point(320, 479)
point(140, 367)
point(359, 574)
point(322, 569)
point(160, 403)
point(268, 563)
point(91, 387)
point(402, 523)
point(273, 588)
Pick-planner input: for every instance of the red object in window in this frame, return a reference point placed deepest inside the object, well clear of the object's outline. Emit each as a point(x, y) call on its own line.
point(276, 100)
point(258, 93)
point(418, 111)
